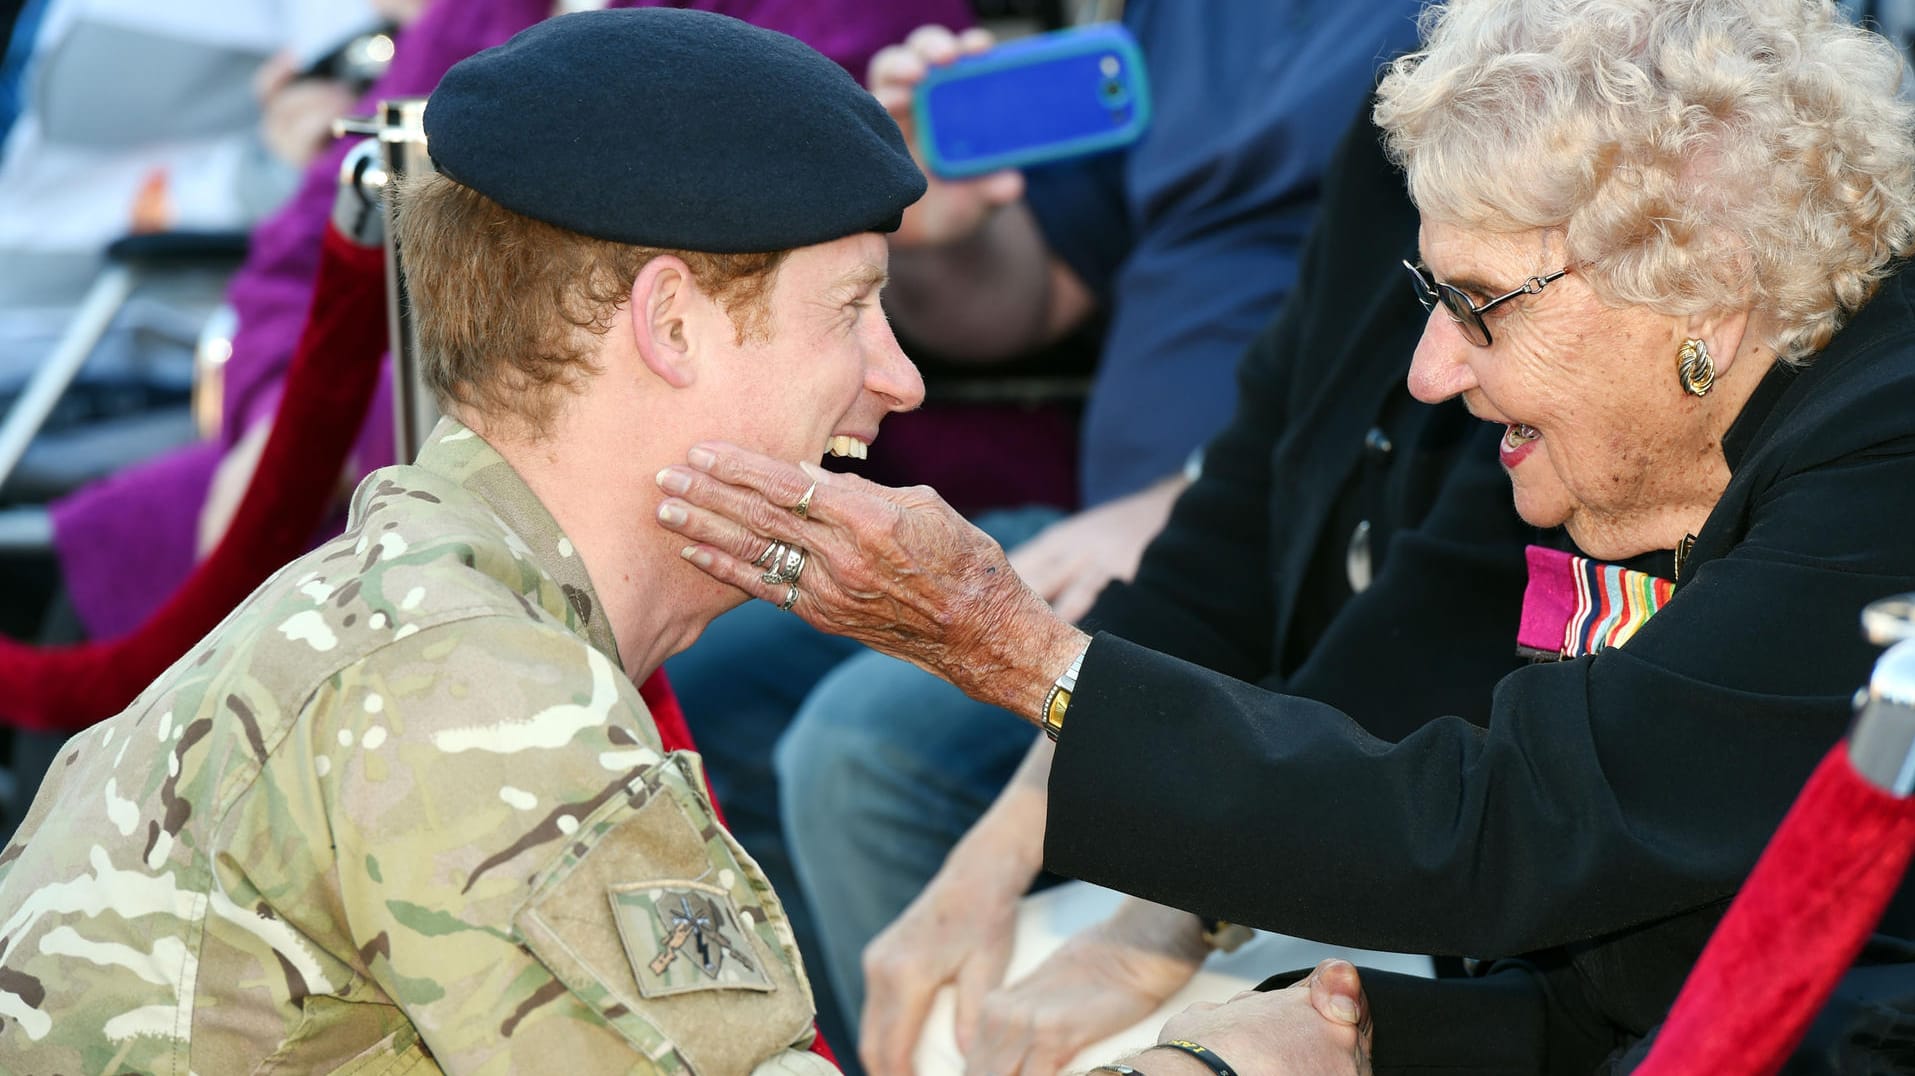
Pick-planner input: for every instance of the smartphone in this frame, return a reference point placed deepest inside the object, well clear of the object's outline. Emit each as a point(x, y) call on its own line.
point(1044, 98)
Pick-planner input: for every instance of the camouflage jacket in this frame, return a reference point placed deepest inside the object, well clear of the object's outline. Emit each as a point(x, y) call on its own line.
point(402, 812)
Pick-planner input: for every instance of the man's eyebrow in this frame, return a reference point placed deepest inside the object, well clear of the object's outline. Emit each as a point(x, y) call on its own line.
point(862, 279)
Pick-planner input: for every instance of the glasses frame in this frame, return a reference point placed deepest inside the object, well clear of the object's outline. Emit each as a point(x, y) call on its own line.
point(1466, 314)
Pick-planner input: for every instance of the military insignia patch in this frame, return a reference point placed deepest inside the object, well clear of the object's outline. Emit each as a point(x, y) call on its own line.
point(685, 936)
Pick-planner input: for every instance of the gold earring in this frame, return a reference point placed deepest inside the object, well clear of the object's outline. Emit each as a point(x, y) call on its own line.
point(1695, 367)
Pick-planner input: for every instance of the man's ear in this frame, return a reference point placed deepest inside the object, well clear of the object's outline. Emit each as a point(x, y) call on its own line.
point(663, 296)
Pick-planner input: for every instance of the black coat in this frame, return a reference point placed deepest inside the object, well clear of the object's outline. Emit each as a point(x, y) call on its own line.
point(1225, 754)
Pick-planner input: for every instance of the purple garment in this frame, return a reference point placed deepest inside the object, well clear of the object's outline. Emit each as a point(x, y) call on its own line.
point(126, 543)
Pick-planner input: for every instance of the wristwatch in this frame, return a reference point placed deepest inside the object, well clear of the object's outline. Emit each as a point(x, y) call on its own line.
point(1059, 699)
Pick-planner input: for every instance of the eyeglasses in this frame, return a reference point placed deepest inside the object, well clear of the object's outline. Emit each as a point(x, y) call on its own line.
point(1466, 314)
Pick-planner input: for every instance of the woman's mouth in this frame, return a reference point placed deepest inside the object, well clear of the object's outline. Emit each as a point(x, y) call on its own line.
point(841, 445)
point(1518, 441)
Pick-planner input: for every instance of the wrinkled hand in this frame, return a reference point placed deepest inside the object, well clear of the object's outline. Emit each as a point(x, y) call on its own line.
point(1071, 561)
point(1319, 1026)
point(1096, 984)
point(895, 569)
point(958, 931)
point(951, 209)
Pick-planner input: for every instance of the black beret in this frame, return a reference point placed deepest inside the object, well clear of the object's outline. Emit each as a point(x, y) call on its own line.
point(672, 128)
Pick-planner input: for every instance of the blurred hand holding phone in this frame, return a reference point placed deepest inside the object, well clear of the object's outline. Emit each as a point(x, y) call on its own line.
point(1032, 101)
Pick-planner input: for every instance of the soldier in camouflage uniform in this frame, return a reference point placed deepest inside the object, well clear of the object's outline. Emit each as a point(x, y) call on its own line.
point(404, 810)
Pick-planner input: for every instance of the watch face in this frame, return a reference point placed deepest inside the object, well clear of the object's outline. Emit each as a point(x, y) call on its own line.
point(1054, 707)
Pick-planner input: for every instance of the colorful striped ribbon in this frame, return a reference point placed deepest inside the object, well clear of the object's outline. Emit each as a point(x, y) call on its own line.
point(1575, 606)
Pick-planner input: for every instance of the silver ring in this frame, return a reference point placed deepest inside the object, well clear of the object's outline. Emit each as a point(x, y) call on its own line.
point(803, 507)
point(765, 557)
point(774, 563)
point(791, 598)
point(794, 565)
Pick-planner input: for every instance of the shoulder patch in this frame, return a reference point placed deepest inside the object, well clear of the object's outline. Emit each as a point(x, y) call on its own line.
point(685, 936)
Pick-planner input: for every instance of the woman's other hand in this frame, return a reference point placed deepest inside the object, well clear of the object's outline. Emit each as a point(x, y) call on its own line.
point(1318, 1026)
point(895, 569)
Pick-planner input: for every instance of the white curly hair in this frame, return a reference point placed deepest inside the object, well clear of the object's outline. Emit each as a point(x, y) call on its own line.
point(1697, 155)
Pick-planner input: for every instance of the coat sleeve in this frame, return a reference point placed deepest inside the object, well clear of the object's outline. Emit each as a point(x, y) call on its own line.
point(1606, 792)
point(512, 858)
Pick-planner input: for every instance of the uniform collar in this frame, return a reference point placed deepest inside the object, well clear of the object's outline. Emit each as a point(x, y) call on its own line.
point(458, 454)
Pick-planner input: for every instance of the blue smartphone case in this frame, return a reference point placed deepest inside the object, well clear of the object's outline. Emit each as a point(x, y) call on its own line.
point(1038, 99)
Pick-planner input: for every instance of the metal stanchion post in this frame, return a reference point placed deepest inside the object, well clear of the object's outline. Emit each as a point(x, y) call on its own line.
point(400, 131)
point(1882, 742)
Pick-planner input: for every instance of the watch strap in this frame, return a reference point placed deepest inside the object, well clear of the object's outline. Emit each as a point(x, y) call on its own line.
point(1058, 700)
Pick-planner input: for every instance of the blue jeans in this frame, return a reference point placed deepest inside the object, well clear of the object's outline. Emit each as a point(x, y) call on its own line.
point(870, 746)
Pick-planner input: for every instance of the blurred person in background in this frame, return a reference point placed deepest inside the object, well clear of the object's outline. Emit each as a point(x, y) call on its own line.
point(96, 155)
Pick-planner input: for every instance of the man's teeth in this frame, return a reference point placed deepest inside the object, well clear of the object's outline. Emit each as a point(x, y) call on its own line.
point(1518, 435)
point(848, 446)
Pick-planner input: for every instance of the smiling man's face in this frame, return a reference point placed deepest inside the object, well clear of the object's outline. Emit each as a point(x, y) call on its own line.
point(827, 368)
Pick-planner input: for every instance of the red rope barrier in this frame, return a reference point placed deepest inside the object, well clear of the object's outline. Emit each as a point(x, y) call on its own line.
point(1792, 932)
point(330, 381)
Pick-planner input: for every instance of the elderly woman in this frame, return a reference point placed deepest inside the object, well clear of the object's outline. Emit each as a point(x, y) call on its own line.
point(1660, 244)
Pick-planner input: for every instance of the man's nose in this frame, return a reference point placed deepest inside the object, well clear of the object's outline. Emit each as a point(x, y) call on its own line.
point(892, 374)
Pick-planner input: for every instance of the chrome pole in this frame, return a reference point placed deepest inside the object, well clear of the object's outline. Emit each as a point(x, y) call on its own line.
point(400, 130)
point(1882, 741)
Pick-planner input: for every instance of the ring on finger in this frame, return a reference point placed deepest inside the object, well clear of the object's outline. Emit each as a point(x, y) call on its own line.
point(803, 507)
point(794, 565)
point(765, 557)
point(791, 598)
point(774, 565)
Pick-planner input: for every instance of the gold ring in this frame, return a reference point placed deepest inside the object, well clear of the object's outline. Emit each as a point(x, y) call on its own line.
point(803, 508)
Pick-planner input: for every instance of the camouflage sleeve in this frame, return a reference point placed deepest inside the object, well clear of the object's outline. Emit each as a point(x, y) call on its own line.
point(521, 871)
